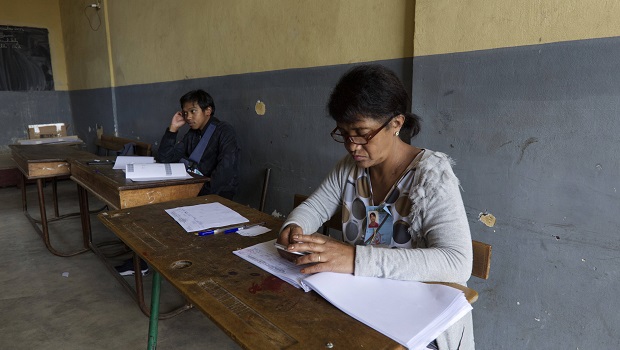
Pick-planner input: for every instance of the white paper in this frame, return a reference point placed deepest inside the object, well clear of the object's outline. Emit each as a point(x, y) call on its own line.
point(411, 313)
point(253, 231)
point(122, 161)
point(265, 256)
point(50, 140)
point(205, 216)
point(156, 172)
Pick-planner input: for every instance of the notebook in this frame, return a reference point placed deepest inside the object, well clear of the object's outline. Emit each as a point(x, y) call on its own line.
point(156, 171)
point(411, 313)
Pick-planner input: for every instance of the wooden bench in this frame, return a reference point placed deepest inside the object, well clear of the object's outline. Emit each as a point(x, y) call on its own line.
point(116, 144)
point(481, 251)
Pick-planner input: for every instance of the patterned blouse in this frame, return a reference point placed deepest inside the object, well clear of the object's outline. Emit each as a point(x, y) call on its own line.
point(392, 213)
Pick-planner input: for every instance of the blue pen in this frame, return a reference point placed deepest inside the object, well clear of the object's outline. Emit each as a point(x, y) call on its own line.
point(226, 229)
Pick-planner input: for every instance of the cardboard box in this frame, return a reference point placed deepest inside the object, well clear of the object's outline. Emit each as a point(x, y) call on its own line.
point(42, 131)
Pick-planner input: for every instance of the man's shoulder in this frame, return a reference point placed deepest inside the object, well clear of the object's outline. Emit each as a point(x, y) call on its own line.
point(222, 125)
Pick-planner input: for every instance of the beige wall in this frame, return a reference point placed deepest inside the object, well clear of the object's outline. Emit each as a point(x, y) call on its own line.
point(445, 26)
point(85, 45)
point(40, 14)
point(167, 40)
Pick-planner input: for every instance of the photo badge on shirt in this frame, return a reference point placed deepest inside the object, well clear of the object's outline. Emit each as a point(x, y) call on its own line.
point(379, 225)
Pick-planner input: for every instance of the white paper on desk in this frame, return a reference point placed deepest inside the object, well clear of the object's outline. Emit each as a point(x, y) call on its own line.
point(265, 256)
point(253, 231)
point(156, 172)
point(412, 313)
point(205, 216)
point(122, 161)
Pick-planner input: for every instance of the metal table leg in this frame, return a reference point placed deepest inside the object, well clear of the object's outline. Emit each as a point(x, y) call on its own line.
point(154, 319)
point(44, 230)
point(138, 293)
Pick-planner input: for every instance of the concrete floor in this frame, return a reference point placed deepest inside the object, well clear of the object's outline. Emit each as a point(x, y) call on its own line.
point(88, 309)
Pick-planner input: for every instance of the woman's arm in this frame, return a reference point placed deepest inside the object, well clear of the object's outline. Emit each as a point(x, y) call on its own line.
point(324, 202)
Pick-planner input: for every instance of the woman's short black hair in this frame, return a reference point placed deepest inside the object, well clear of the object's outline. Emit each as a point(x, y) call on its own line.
point(201, 97)
point(371, 91)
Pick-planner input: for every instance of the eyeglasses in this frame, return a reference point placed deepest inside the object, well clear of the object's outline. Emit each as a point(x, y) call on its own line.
point(338, 136)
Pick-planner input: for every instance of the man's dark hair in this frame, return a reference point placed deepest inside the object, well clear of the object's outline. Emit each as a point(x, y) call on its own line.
point(202, 99)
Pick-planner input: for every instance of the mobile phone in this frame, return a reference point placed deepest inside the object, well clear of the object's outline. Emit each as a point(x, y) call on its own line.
point(283, 247)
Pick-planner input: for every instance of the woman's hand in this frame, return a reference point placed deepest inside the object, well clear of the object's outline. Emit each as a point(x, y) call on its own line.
point(326, 253)
point(177, 122)
point(285, 239)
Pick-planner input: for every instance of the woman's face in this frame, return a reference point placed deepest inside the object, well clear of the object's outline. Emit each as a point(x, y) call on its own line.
point(378, 148)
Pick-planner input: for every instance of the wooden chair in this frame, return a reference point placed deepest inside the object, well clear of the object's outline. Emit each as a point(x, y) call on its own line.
point(482, 260)
point(115, 143)
point(481, 251)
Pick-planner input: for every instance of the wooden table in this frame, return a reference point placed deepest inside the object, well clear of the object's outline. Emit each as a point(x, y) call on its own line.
point(41, 162)
point(256, 309)
point(112, 187)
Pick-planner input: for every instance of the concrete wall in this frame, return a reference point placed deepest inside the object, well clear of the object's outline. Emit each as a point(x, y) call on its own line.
point(534, 132)
point(20, 109)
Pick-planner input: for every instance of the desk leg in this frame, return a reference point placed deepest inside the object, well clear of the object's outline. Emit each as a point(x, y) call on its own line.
point(44, 227)
point(154, 318)
point(55, 196)
point(24, 200)
point(85, 216)
point(44, 230)
point(140, 294)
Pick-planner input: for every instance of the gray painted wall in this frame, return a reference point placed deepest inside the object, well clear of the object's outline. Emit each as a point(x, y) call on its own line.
point(20, 109)
point(535, 134)
point(292, 138)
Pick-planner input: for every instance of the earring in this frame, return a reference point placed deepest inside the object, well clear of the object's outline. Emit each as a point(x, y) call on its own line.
point(397, 133)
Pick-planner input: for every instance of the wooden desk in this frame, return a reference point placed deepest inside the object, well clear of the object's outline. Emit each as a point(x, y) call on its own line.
point(256, 309)
point(112, 187)
point(41, 162)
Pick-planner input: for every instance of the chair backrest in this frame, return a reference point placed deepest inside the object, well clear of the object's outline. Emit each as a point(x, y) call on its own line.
point(482, 260)
point(114, 143)
point(481, 251)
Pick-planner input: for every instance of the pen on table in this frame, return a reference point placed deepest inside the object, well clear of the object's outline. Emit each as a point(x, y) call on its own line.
point(230, 229)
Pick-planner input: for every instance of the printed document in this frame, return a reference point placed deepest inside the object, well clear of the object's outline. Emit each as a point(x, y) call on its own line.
point(412, 313)
point(205, 216)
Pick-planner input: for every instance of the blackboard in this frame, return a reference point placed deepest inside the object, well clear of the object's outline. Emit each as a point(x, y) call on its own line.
point(25, 62)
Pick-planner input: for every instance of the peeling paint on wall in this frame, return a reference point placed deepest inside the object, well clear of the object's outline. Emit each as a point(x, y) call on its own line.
point(260, 107)
point(487, 219)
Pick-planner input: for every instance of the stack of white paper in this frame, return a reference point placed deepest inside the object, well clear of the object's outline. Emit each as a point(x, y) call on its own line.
point(122, 161)
point(156, 171)
point(51, 140)
point(411, 313)
point(204, 216)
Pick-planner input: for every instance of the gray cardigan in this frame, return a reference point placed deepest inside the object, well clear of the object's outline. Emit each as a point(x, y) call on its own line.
point(438, 225)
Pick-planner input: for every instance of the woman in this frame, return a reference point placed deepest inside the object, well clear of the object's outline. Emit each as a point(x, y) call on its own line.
point(414, 189)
